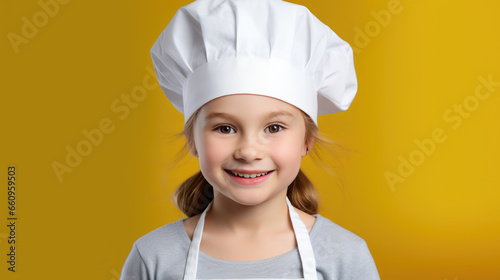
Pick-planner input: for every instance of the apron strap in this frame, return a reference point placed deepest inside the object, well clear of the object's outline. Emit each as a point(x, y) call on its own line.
point(303, 244)
point(194, 248)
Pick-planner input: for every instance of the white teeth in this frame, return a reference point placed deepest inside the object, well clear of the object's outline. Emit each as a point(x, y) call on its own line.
point(245, 175)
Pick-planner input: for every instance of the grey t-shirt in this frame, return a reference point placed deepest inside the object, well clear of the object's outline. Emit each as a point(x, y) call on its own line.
point(339, 253)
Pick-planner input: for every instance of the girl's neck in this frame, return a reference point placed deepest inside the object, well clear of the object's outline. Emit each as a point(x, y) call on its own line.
point(229, 215)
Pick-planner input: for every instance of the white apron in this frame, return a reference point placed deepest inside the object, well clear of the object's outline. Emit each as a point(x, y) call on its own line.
point(303, 244)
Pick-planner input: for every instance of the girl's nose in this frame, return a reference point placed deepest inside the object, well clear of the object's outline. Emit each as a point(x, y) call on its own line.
point(248, 150)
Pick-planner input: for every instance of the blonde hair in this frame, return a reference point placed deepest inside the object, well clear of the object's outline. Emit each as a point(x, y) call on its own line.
point(193, 195)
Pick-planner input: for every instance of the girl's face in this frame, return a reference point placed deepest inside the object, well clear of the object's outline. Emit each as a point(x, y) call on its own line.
point(249, 146)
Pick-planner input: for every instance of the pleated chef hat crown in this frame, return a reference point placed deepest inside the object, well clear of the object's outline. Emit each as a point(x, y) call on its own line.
point(213, 48)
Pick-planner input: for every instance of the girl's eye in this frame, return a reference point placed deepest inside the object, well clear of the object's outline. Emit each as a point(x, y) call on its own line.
point(225, 129)
point(274, 128)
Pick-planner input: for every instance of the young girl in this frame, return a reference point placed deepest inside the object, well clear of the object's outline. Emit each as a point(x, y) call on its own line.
point(251, 77)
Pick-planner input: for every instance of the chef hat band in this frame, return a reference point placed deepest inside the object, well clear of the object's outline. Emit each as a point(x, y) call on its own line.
point(233, 75)
point(214, 48)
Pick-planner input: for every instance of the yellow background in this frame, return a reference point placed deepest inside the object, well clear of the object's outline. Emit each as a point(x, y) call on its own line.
point(441, 222)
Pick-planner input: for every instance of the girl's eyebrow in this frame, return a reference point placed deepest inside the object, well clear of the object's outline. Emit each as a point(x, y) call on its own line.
point(219, 115)
point(229, 116)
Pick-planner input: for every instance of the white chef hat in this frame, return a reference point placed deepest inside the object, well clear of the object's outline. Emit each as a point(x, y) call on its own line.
point(213, 48)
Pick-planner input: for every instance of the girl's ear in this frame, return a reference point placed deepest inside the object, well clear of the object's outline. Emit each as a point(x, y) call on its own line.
point(307, 147)
point(193, 151)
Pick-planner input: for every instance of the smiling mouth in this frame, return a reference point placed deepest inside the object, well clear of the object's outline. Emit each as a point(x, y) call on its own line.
point(247, 175)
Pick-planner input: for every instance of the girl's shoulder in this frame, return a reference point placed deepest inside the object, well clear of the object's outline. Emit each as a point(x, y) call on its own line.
point(156, 254)
point(167, 236)
point(338, 249)
point(332, 237)
point(329, 228)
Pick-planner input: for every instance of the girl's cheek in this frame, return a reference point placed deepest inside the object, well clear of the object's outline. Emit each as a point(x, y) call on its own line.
point(287, 150)
point(215, 151)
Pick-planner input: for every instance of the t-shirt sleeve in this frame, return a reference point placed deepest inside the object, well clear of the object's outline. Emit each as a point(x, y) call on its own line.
point(134, 267)
point(363, 265)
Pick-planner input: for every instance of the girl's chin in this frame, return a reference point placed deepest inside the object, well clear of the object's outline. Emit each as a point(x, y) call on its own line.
point(248, 198)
